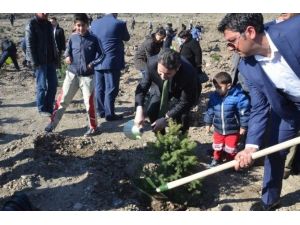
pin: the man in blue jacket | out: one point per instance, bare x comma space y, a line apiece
111, 33
271, 68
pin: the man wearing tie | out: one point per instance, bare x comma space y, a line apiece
175, 77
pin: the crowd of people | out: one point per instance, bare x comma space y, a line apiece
262, 92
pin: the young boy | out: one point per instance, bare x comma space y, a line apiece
228, 111
82, 54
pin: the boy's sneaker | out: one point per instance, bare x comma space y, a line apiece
45, 114
49, 128
214, 163
91, 132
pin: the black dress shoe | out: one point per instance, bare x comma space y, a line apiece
259, 206
101, 115
114, 117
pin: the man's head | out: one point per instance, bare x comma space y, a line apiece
53, 21
81, 22
168, 63
286, 16
160, 35
242, 31
222, 82
42, 16
169, 24
185, 35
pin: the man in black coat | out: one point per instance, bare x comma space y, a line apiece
60, 40
41, 51
170, 35
151, 46
167, 66
191, 50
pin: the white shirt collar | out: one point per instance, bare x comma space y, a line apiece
273, 48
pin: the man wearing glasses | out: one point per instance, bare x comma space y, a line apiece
271, 67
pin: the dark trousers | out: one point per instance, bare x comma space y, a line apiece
13, 56
274, 164
106, 90
46, 86
153, 111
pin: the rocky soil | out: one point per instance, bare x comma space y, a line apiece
65, 171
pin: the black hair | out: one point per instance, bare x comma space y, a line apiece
169, 58
222, 78
184, 34
161, 31
238, 22
53, 18
82, 17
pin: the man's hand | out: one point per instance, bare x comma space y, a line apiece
68, 60
244, 158
159, 124
242, 131
90, 67
207, 128
139, 117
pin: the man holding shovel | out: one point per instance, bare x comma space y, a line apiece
271, 68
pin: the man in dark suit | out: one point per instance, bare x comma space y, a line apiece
271, 68
167, 66
111, 33
59, 36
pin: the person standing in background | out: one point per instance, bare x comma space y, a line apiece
132, 23
60, 40
12, 19
42, 53
111, 33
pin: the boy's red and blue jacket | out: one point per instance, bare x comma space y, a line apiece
229, 113
83, 50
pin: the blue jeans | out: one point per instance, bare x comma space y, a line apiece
46, 86
274, 163
106, 90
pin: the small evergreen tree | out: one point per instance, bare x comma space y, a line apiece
177, 160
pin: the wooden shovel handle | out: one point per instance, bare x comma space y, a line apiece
205, 173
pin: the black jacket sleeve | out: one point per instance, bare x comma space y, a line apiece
198, 54
188, 97
142, 88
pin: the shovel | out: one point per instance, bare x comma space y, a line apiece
205, 173
147, 187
